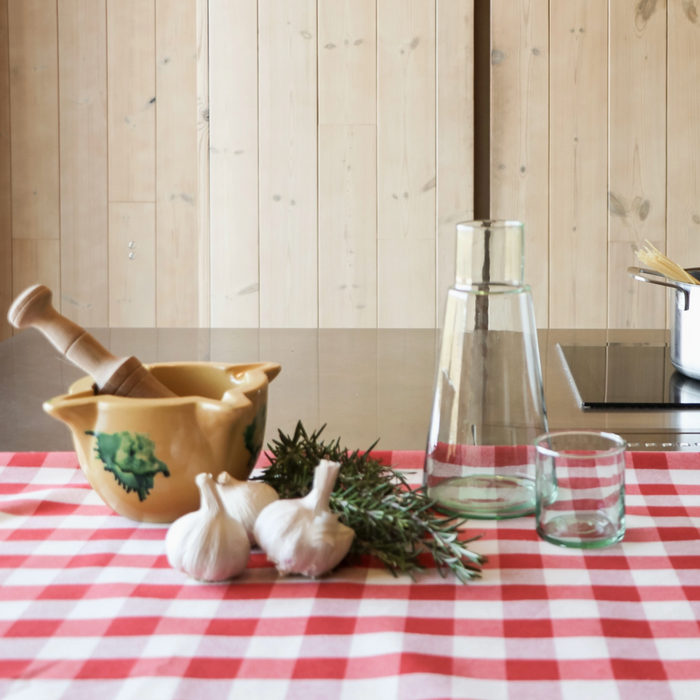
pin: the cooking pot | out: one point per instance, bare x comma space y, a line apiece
685, 319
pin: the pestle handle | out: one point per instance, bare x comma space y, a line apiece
113, 375
34, 308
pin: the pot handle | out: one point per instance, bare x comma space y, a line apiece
640, 274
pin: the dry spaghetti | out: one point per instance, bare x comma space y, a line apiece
654, 259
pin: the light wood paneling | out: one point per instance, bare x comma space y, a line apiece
82, 55
203, 225
631, 307
233, 42
34, 115
455, 134
347, 61
402, 269
132, 260
288, 162
177, 186
136, 80
5, 179
132, 100
406, 162
578, 161
34, 262
347, 163
637, 157
347, 227
683, 222
520, 132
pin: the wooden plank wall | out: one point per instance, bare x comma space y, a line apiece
310, 172
104, 154
259, 163
333, 195
612, 105
683, 83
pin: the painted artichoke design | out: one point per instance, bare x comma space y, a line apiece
131, 458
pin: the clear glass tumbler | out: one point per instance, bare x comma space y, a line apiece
581, 488
488, 404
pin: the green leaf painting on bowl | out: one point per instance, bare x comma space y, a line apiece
131, 459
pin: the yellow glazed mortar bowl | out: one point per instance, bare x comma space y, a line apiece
142, 455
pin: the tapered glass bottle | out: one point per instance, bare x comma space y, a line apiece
488, 404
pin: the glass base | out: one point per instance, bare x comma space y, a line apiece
581, 530
486, 497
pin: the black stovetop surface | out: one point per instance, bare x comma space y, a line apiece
630, 377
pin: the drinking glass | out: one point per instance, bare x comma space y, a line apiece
488, 403
581, 488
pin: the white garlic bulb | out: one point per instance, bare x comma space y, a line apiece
244, 500
302, 535
208, 544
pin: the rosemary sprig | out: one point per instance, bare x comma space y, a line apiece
392, 522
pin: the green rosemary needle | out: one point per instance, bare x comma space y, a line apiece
392, 522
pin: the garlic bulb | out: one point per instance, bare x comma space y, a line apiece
244, 500
301, 535
208, 544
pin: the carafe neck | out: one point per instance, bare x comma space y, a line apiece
490, 252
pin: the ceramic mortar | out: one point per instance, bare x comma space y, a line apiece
142, 455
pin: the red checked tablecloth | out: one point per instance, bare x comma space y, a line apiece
89, 607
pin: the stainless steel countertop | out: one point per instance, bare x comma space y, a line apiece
364, 384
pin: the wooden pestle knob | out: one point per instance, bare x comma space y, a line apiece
121, 376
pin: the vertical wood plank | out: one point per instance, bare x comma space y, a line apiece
578, 162
34, 115
455, 134
347, 61
397, 261
203, 228
683, 190
132, 261
637, 157
347, 226
406, 168
82, 54
520, 132
233, 42
5, 179
177, 185
34, 262
288, 163
132, 100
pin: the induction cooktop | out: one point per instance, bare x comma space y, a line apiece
629, 377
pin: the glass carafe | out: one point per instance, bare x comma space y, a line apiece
489, 404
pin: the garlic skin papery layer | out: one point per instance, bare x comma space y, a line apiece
302, 535
208, 544
245, 500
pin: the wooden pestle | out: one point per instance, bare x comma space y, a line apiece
121, 376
